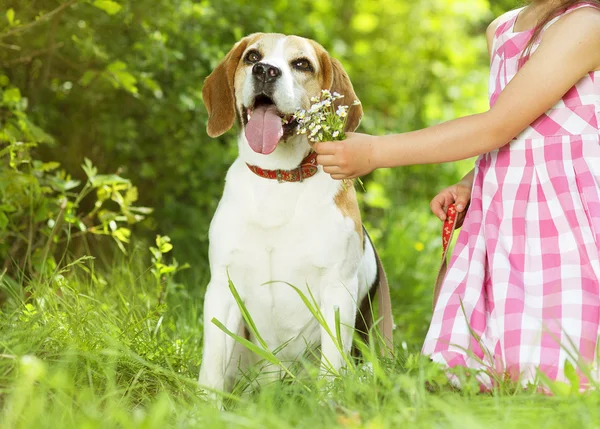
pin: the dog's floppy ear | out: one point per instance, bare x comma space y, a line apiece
336, 79
218, 92
342, 85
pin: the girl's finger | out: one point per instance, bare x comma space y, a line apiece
437, 206
326, 160
339, 176
332, 169
463, 196
325, 148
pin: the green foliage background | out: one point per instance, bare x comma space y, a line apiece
119, 82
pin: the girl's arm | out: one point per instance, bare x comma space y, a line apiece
460, 193
569, 50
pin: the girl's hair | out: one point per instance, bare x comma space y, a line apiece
551, 14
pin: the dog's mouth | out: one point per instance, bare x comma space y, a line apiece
265, 126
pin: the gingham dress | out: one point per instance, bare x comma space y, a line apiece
522, 287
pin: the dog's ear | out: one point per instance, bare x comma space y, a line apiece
336, 79
341, 84
218, 91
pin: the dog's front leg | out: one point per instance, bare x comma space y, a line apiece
219, 364
337, 296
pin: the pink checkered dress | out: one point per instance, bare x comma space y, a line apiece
522, 287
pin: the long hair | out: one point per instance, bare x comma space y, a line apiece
551, 14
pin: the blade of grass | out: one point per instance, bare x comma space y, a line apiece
265, 354
246, 314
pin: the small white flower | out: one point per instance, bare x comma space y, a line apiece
356, 103
335, 134
342, 111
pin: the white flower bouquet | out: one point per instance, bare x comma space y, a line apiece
322, 121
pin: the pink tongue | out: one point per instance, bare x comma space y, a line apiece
264, 129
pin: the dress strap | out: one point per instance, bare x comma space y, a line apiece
507, 22
568, 11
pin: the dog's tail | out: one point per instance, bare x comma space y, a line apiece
380, 288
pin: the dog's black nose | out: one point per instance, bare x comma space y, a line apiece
266, 72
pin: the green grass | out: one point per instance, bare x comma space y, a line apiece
86, 349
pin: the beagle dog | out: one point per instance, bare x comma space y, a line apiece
281, 220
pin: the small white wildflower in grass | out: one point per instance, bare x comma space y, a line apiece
322, 121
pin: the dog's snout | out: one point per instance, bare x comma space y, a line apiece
265, 72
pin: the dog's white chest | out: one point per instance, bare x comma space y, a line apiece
271, 236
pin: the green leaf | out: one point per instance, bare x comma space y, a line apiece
11, 95
87, 77
167, 269
163, 243
142, 210
572, 376
558, 388
62, 185
7, 208
108, 6
122, 234
49, 166
39, 135
10, 16
116, 66
121, 77
107, 179
89, 169
3, 220
131, 195
166, 247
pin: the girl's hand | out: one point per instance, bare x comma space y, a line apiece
458, 194
349, 158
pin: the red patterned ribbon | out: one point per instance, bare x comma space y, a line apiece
447, 233
449, 227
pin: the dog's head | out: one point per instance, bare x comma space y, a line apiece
266, 77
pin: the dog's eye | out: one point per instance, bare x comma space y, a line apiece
302, 64
253, 57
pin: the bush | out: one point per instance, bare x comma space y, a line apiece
41, 205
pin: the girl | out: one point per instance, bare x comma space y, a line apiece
522, 288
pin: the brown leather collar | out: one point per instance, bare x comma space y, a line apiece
307, 168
